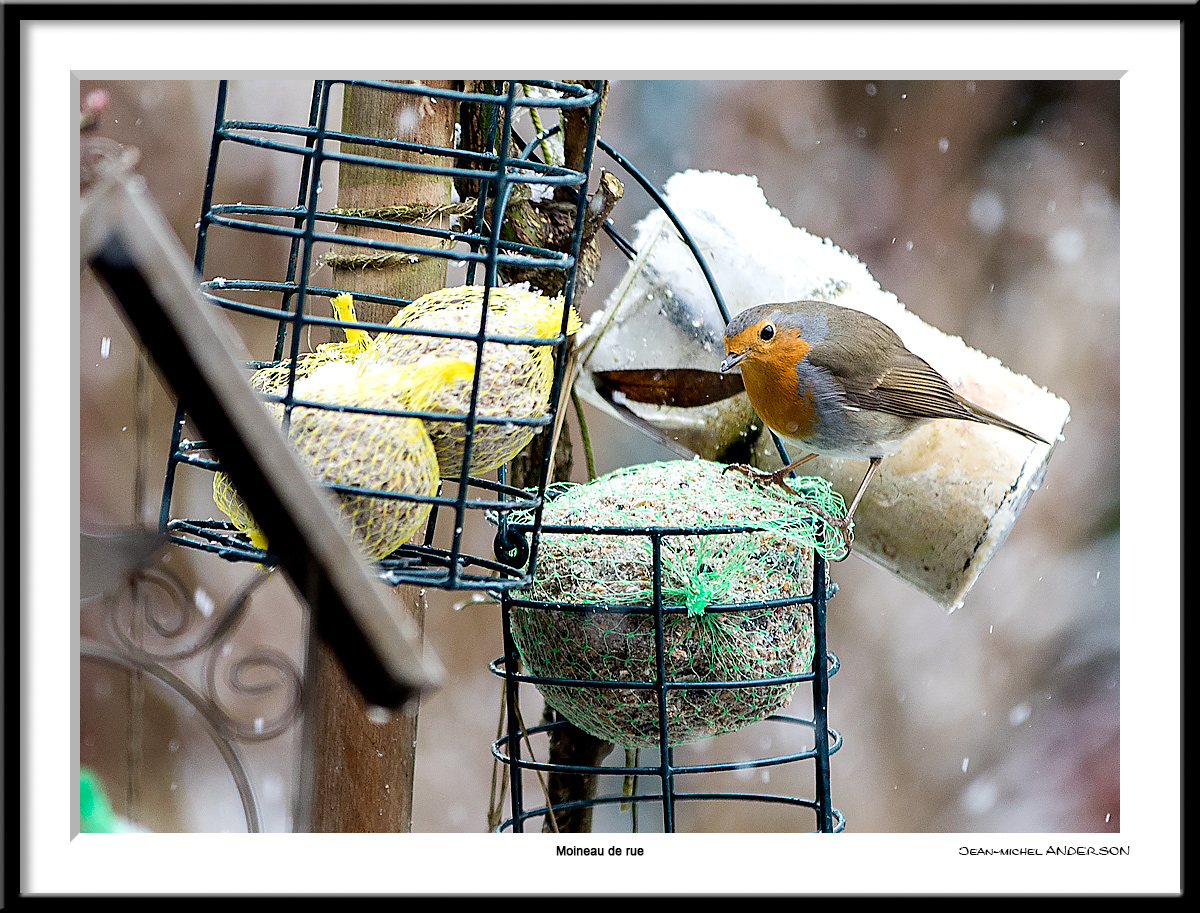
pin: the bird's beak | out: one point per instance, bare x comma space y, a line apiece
733, 360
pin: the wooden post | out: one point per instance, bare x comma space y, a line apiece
363, 768
405, 196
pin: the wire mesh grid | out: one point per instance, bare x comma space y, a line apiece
325, 251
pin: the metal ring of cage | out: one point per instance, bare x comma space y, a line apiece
668, 796
668, 773
827, 741
496, 175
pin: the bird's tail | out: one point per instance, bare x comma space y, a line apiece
991, 418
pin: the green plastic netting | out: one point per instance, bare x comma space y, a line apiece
589, 615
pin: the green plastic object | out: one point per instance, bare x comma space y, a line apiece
95, 811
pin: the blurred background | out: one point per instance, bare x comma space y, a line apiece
989, 208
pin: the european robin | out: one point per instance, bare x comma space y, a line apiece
838, 382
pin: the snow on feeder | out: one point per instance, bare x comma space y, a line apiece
938, 510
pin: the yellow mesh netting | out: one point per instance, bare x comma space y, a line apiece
515, 379
385, 453
410, 373
274, 379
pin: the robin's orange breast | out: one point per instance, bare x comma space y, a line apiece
772, 384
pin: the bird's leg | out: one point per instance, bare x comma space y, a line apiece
875, 461
778, 477
770, 478
842, 524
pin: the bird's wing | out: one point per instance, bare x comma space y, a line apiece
881, 374
912, 387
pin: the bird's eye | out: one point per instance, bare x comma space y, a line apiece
767, 332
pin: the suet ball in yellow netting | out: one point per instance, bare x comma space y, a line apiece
387, 453
415, 373
516, 379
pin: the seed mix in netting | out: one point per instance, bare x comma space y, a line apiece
373, 452
592, 617
391, 454
515, 380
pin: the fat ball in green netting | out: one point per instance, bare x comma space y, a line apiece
515, 379
579, 627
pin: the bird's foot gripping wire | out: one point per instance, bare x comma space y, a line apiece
842, 524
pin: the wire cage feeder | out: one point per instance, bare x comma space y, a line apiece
331, 251
649, 698
443, 205
625, 671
